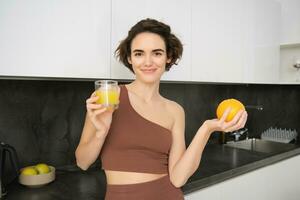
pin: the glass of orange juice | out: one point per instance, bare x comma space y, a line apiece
108, 92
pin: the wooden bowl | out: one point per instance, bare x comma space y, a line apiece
38, 180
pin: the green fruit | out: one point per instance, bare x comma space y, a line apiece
29, 171
42, 168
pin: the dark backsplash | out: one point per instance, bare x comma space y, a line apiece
43, 120
280, 104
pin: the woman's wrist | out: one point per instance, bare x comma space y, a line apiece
101, 134
208, 128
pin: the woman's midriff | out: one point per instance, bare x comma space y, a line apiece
121, 177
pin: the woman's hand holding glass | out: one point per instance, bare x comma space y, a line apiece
236, 123
99, 114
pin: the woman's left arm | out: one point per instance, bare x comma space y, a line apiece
184, 162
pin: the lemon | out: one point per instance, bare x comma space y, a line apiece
42, 168
29, 171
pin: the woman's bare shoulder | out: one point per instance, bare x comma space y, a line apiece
176, 112
173, 107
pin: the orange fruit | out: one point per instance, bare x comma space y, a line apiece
235, 106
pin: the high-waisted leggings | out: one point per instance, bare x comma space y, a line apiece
159, 189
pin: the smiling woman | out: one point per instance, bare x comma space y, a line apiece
142, 143
170, 46
148, 58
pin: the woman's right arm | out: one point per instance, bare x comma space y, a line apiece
96, 126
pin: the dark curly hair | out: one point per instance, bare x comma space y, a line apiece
173, 44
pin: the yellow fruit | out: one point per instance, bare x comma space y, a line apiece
42, 168
235, 106
29, 171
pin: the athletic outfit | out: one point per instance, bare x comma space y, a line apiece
135, 144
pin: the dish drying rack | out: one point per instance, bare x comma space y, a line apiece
279, 135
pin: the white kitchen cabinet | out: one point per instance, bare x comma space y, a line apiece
277, 181
55, 38
290, 22
263, 35
218, 40
175, 13
235, 41
224, 41
208, 193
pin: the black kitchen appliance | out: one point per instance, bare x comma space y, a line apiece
7, 152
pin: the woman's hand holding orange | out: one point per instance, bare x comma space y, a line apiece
236, 123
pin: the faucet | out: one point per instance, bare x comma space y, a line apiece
256, 107
238, 133
223, 137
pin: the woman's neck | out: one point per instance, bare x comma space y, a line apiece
147, 92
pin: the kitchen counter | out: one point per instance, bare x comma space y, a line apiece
218, 163
70, 184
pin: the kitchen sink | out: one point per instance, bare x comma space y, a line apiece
259, 145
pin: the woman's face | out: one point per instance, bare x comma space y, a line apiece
148, 57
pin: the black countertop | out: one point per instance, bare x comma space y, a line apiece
218, 163
221, 162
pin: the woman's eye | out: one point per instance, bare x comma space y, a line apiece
137, 54
158, 53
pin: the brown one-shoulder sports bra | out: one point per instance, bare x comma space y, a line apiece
133, 143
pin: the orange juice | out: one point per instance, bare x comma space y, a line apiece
109, 98
108, 92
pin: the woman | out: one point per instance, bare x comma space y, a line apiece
142, 144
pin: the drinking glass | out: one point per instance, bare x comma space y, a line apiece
108, 92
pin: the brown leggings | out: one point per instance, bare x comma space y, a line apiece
159, 189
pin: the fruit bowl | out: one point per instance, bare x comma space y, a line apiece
37, 180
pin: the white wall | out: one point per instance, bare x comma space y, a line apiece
290, 40
287, 59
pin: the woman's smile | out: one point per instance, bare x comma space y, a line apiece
149, 70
